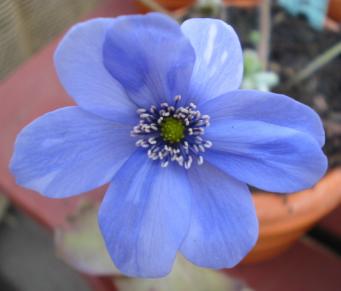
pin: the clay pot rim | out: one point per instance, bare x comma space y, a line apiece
334, 10
302, 207
284, 218
177, 11
243, 3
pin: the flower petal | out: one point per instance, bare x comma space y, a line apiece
219, 59
268, 107
79, 64
69, 151
145, 216
150, 56
224, 225
270, 157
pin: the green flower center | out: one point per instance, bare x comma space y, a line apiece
172, 130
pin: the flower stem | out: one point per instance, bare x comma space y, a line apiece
316, 64
265, 32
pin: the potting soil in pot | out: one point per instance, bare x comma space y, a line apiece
294, 45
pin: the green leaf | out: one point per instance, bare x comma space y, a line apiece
252, 63
254, 37
254, 76
266, 80
81, 244
184, 277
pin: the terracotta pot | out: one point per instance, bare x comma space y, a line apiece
243, 3
334, 10
170, 5
284, 219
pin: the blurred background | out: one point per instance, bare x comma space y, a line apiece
290, 46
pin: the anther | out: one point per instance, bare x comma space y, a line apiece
172, 133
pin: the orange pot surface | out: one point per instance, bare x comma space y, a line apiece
243, 3
175, 4
334, 10
170, 5
284, 219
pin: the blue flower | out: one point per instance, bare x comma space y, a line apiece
159, 116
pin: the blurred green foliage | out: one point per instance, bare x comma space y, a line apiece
254, 75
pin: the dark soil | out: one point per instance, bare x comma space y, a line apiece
294, 44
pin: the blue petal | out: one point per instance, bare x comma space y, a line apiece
80, 68
219, 59
69, 151
150, 57
270, 157
224, 225
145, 216
268, 107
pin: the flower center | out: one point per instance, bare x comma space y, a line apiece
172, 130
172, 133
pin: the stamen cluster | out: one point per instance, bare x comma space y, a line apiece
172, 133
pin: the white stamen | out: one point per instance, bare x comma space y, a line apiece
183, 151
200, 160
177, 98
